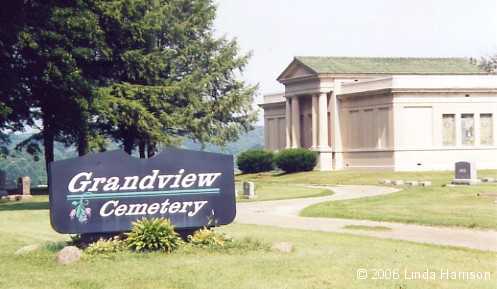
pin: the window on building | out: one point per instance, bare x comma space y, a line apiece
486, 129
449, 129
468, 129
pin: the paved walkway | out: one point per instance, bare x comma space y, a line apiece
284, 214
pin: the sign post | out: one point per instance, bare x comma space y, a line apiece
106, 192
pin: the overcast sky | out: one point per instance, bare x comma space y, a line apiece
277, 30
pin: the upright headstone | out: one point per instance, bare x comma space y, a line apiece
465, 173
3, 184
249, 189
24, 185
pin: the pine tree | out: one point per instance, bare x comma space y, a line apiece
144, 73
171, 77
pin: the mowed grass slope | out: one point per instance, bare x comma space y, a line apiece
439, 205
319, 260
463, 206
266, 191
346, 177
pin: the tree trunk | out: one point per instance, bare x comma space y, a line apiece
151, 149
48, 143
141, 146
83, 145
128, 145
83, 133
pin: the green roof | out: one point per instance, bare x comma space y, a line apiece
387, 65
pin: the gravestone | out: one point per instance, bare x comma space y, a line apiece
24, 185
249, 190
465, 173
3, 184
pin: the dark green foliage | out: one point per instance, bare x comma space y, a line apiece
171, 78
255, 161
142, 73
296, 160
156, 234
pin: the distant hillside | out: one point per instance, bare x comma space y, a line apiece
252, 139
22, 164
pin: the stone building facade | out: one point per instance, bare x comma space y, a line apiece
385, 113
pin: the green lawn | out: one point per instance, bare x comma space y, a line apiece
444, 206
467, 206
320, 260
346, 177
367, 228
266, 191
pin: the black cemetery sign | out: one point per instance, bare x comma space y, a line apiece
106, 192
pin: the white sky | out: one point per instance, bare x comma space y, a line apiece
277, 30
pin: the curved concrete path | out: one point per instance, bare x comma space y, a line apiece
284, 214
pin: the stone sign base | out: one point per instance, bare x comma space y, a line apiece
465, 182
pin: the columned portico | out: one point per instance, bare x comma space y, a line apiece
319, 126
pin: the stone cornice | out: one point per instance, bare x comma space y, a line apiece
390, 91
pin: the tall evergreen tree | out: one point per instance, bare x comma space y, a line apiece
172, 77
14, 106
56, 48
142, 72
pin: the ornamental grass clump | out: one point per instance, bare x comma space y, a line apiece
106, 247
156, 234
208, 238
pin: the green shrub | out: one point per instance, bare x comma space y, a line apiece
208, 238
255, 161
156, 234
296, 160
106, 246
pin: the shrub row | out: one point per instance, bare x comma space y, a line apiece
288, 160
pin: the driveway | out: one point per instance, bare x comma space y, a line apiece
285, 214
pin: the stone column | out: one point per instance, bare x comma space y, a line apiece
325, 158
315, 121
323, 121
336, 133
295, 122
288, 122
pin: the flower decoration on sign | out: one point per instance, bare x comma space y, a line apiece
80, 210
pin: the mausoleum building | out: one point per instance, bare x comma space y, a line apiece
385, 113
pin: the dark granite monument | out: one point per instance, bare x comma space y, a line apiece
465, 173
